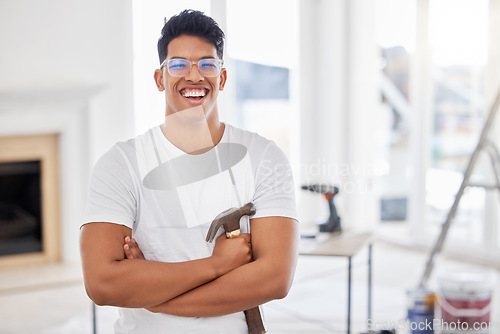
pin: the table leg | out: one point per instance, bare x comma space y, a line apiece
94, 322
370, 282
349, 295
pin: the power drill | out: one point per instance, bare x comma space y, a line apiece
329, 192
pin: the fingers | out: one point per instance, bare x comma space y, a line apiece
131, 249
246, 236
248, 239
232, 253
127, 248
222, 236
248, 242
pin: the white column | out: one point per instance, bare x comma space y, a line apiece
364, 114
338, 107
321, 84
420, 100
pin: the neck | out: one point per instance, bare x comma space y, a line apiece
191, 131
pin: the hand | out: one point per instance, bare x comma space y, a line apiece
232, 253
132, 250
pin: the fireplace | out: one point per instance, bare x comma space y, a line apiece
29, 210
20, 208
50, 127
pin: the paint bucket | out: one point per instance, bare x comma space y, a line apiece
420, 305
464, 302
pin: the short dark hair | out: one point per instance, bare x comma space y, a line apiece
193, 23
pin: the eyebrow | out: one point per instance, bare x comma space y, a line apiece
206, 57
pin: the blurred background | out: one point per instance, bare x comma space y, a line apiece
384, 99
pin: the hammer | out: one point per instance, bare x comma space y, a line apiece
230, 220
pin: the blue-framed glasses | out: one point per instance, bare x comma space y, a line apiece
177, 67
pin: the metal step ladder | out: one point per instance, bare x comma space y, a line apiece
484, 144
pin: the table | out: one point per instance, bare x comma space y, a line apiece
343, 245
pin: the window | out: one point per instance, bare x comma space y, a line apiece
262, 55
397, 47
452, 55
459, 44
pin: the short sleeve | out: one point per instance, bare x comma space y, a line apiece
111, 192
274, 187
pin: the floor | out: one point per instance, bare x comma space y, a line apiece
51, 298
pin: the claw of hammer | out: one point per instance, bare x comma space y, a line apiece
230, 220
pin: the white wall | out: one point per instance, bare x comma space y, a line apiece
56, 44
79, 51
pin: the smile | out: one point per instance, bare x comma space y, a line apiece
194, 92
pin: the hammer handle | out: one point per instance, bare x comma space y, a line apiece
253, 318
254, 321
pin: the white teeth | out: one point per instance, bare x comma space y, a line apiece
194, 93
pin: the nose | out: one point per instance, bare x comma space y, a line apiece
194, 74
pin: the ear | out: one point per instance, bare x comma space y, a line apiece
159, 80
223, 78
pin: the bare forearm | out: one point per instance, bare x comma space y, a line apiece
236, 291
140, 283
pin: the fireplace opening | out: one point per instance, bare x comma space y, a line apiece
20, 208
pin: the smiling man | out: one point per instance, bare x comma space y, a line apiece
152, 198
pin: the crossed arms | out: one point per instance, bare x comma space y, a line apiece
226, 282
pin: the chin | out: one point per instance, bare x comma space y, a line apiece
193, 114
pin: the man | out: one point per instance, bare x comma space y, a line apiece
152, 199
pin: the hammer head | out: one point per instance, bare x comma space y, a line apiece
229, 219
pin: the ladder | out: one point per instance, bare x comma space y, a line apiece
483, 144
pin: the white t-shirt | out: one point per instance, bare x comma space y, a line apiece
169, 198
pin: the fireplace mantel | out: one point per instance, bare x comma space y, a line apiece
29, 111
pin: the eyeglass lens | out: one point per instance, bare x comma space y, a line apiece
182, 67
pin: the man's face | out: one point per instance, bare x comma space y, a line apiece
193, 90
